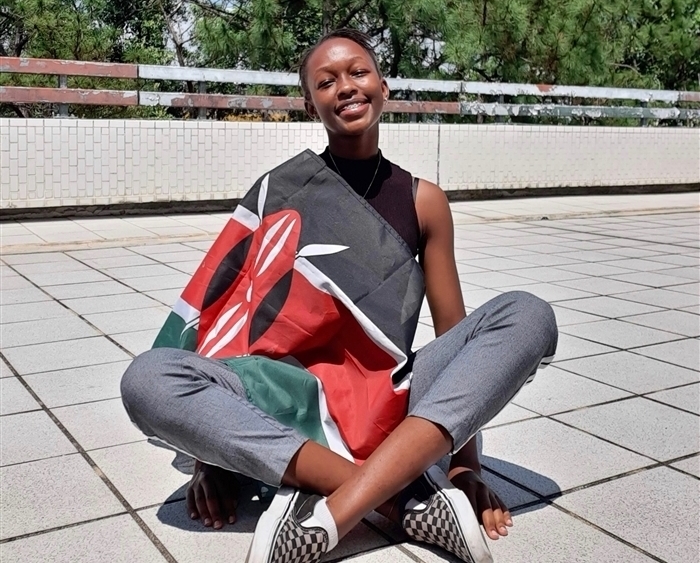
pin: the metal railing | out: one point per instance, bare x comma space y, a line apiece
63, 96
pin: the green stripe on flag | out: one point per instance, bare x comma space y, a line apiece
286, 392
174, 335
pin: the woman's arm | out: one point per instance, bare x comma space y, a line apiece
447, 309
438, 258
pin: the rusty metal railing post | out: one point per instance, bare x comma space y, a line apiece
62, 83
500, 118
202, 89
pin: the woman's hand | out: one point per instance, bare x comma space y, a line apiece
212, 495
490, 510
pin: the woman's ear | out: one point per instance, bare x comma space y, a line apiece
310, 110
385, 89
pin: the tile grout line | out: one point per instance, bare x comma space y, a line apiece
111, 243
607, 533
679, 338
549, 501
621, 293
577, 262
125, 282
72, 453
617, 318
634, 395
609, 236
656, 463
68, 368
107, 482
592, 294
667, 404
610, 441
81, 317
392, 542
636, 352
59, 528
558, 494
81, 403
408, 553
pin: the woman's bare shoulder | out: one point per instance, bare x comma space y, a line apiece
432, 206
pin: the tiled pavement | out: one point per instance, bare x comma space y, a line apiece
599, 456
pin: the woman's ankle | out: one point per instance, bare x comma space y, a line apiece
316, 468
391, 510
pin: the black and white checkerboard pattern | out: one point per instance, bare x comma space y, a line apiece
296, 544
437, 525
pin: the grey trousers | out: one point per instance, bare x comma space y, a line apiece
460, 381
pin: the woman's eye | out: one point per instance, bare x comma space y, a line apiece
325, 84
359, 73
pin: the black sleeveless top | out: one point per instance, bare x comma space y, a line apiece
391, 194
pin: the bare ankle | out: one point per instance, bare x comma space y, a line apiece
317, 469
391, 510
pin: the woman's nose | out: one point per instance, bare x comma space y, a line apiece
346, 86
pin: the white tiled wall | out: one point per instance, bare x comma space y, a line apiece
60, 162
506, 157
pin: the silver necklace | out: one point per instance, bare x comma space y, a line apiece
373, 177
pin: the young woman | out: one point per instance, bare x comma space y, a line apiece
390, 415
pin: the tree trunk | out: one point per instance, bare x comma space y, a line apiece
21, 110
397, 48
326, 16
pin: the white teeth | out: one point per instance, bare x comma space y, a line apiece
352, 106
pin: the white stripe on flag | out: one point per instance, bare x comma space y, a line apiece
330, 428
271, 232
220, 323
262, 196
186, 311
323, 283
279, 245
228, 337
246, 218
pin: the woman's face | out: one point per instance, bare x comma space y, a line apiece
346, 91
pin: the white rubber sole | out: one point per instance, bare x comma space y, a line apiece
269, 525
468, 522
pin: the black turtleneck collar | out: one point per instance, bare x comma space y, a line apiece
358, 173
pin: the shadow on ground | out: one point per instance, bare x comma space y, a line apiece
174, 513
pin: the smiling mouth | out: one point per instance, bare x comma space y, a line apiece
352, 107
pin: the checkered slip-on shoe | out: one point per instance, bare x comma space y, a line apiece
291, 531
440, 514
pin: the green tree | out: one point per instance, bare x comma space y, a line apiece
636, 43
55, 29
590, 42
86, 30
662, 47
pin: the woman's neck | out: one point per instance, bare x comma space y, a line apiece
359, 147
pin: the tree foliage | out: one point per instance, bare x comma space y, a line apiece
632, 43
593, 42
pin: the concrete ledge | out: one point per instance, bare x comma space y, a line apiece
224, 205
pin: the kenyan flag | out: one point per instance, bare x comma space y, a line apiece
312, 299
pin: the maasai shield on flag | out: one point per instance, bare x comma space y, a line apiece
312, 299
